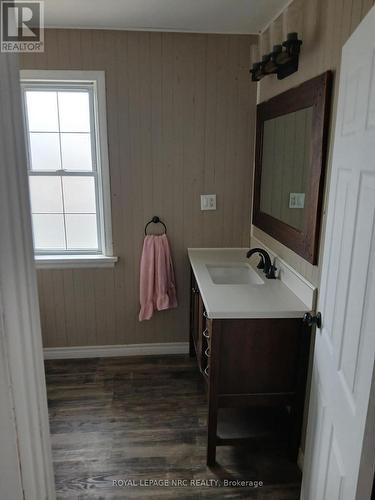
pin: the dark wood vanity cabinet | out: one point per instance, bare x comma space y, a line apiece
248, 363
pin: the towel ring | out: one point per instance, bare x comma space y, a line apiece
155, 220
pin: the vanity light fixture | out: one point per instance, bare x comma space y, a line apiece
282, 61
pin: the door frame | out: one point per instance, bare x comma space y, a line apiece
27, 460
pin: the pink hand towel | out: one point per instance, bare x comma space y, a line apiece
164, 276
147, 275
157, 282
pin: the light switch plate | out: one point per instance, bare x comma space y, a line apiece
296, 200
208, 201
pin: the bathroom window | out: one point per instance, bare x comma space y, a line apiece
66, 141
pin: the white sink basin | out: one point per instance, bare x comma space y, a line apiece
233, 274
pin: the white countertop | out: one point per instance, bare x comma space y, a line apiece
273, 299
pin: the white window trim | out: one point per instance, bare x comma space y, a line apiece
73, 261
97, 78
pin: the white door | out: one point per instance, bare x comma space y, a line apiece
345, 345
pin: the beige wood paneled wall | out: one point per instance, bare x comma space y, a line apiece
181, 116
324, 26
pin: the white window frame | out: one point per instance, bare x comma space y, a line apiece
97, 80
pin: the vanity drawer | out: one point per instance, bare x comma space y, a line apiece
206, 345
208, 323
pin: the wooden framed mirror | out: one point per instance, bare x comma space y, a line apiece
290, 157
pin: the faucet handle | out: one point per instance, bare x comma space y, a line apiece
271, 275
261, 263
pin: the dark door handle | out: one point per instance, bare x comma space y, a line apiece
311, 320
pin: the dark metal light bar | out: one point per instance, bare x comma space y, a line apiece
282, 61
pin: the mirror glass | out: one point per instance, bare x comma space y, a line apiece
286, 160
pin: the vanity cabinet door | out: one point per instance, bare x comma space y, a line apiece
261, 356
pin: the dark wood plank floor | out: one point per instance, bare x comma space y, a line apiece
143, 419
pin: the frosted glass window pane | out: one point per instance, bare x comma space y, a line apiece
42, 111
45, 194
76, 151
45, 151
81, 232
79, 195
74, 110
48, 231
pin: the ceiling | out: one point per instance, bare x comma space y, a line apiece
202, 16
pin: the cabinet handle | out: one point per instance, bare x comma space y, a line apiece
207, 352
194, 290
207, 371
206, 334
205, 314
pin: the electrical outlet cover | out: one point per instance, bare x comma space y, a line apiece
208, 201
296, 200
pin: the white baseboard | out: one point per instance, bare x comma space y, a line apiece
107, 351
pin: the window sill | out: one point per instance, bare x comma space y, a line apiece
73, 261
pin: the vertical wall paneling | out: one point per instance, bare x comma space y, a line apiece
181, 118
